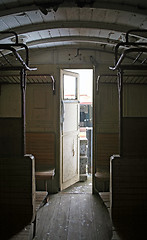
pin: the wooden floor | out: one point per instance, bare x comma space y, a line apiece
74, 216
81, 187
105, 196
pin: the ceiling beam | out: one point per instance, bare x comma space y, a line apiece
85, 39
72, 24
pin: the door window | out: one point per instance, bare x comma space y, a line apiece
70, 86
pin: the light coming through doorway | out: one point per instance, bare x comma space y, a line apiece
86, 131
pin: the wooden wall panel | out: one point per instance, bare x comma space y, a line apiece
11, 137
41, 108
17, 193
128, 187
10, 100
135, 99
107, 144
106, 105
134, 136
42, 146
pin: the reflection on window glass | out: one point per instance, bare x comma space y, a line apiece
70, 87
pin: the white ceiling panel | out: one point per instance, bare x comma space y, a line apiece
11, 21
99, 15
73, 14
33, 35
86, 13
84, 32
111, 16
74, 31
60, 15
35, 16
54, 32
23, 19
49, 17
101, 22
140, 21
3, 25
64, 32
44, 34
93, 32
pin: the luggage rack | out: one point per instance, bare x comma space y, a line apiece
137, 53
20, 64
15, 61
127, 50
30, 79
127, 79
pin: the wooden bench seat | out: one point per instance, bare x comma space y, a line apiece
103, 177
45, 175
42, 146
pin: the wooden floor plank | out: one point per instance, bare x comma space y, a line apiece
48, 214
41, 198
74, 217
60, 221
87, 220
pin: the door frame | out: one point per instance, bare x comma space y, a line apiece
93, 68
69, 132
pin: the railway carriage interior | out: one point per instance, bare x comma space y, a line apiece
41, 45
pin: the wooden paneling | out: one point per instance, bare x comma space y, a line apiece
135, 99
128, 187
40, 108
10, 100
17, 193
74, 216
106, 145
107, 114
11, 136
42, 146
134, 136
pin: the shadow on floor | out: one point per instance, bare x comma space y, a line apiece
11, 224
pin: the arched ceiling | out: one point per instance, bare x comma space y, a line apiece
58, 23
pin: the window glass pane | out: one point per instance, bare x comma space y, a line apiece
70, 87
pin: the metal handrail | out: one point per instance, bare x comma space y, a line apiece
133, 31
16, 44
11, 32
118, 63
12, 49
127, 44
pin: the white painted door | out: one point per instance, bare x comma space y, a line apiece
70, 111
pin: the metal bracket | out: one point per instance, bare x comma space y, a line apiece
97, 83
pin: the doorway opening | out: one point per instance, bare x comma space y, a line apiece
85, 125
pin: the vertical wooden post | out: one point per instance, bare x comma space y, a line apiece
120, 89
23, 117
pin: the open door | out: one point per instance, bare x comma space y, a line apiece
70, 111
